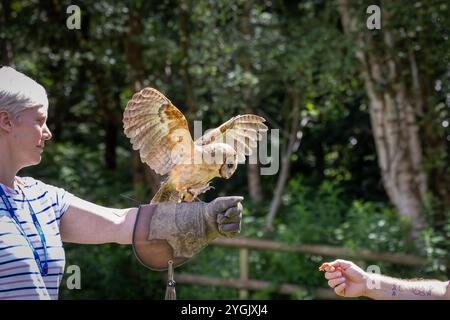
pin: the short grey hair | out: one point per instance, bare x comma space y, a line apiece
19, 92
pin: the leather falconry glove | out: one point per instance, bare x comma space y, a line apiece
177, 231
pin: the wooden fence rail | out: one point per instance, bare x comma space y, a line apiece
249, 284
244, 284
324, 250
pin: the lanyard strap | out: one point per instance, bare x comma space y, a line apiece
43, 266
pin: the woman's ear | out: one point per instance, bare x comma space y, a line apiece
5, 121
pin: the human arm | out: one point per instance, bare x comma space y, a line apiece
88, 223
349, 280
402, 289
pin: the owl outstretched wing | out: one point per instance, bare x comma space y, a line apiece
241, 133
157, 129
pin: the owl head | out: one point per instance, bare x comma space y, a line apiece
224, 156
229, 163
228, 168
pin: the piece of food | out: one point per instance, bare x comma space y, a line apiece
328, 267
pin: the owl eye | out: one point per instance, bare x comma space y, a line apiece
230, 165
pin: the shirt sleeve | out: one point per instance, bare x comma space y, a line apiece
60, 198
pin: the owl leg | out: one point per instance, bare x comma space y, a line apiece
205, 188
195, 192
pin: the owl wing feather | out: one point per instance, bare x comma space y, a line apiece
166, 193
156, 128
241, 133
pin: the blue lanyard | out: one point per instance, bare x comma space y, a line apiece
43, 266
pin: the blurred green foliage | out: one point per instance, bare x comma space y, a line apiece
239, 54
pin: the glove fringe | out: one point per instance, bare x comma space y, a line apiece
171, 284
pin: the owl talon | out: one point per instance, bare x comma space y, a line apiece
187, 197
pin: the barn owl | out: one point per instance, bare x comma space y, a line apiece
160, 132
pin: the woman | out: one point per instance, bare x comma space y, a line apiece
35, 218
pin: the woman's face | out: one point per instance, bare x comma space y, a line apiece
30, 132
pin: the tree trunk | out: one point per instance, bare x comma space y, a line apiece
142, 174
6, 52
109, 117
184, 48
394, 123
253, 170
293, 143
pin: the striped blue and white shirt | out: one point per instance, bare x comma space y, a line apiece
20, 277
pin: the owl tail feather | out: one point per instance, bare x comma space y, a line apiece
166, 193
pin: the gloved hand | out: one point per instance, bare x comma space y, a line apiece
223, 216
177, 231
